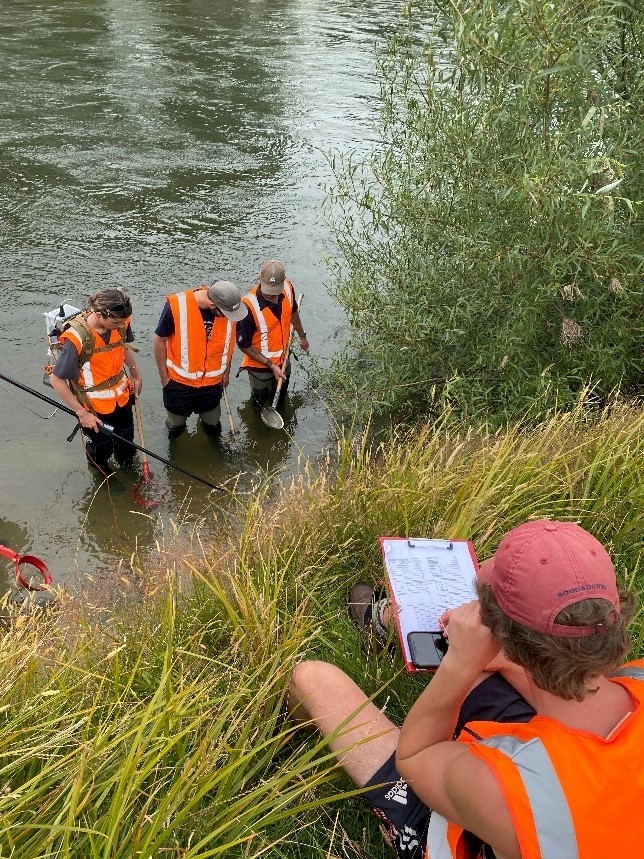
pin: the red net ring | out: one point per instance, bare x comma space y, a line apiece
150, 493
42, 570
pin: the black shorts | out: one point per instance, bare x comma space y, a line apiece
404, 816
183, 400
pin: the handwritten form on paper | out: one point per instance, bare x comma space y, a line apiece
427, 577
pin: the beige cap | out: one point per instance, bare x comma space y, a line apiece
272, 276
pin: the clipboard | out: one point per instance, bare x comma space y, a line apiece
426, 577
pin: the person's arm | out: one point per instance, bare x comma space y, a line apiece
160, 356
67, 370
296, 322
135, 373
258, 356
433, 717
443, 773
86, 419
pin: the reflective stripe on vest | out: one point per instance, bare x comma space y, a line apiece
182, 325
633, 673
552, 818
185, 344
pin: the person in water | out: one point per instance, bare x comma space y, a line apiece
89, 376
193, 347
263, 336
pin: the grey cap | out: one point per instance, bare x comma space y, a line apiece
272, 276
227, 298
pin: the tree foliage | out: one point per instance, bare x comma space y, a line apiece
491, 246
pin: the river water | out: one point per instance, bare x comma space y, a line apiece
157, 145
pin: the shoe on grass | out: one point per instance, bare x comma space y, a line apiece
360, 605
364, 605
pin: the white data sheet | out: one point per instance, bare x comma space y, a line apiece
427, 577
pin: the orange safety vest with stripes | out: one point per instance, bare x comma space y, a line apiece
102, 384
570, 793
192, 358
271, 334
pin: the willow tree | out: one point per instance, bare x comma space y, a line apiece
491, 246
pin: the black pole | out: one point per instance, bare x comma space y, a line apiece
107, 430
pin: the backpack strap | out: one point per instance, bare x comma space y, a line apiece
89, 347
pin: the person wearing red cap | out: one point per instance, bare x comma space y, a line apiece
527, 742
263, 336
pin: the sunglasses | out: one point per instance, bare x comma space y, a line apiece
118, 311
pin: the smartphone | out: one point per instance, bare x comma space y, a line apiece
426, 648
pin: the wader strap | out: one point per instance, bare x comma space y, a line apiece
109, 346
106, 384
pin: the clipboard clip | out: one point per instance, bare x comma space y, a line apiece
430, 544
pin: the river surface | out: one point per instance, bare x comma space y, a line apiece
157, 146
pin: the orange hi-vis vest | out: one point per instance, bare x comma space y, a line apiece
570, 793
193, 359
102, 384
271, 334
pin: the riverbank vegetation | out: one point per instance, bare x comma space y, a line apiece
156, 727
491, 247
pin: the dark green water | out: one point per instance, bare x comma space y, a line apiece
157, 146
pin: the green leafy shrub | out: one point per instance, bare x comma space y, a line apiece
491, 247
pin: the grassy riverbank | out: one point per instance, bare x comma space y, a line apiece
156, 728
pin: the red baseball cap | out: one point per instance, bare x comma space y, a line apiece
541, 567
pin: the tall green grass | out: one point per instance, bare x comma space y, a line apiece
158, 729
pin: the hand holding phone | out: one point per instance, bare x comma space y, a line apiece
427, 648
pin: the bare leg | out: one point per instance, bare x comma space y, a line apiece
361, 737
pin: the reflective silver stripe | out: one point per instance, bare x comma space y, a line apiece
224, 354
261, 327
199, 374
88, 378
437, 845
290, 294
183, 373
183, 330
632, 672
552, 818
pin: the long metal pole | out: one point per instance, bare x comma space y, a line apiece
106, 429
